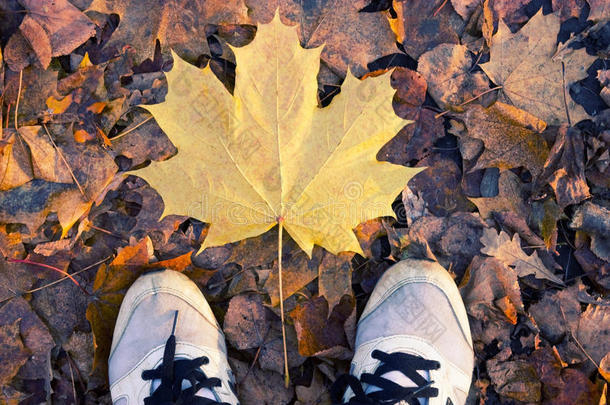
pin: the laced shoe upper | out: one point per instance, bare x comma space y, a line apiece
145, 365
416, 316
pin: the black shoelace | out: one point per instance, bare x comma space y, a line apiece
172, 372
390, 392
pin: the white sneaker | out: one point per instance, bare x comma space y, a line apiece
168, 346
413, 344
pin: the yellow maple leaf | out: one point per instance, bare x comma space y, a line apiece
267, 154
533, 79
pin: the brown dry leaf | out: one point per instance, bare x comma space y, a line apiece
335, 277
37, 85
491, 291
568, 8
351, 38
15, 278
35, 337
271, 355
47, 161
594, 331
297, 271
15, 162
315, 393
260, 387
440, 186
600, 10
511, 137
557, 313
465, 7
511, 197
564, 169
562, 386
531, 79
452, 241
29, 154
246, 324
83, 101
111, 282
595, 221
177, 24
416, 141
422, 24
515, 379
447, 69
32, 202
12, 352
509, 252
48, 29
317, 330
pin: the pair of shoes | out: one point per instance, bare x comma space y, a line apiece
413, 344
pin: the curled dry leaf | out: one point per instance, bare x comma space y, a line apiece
565, 167
491, 291
509, 252
511, 137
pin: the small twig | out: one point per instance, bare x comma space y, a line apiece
469, 100
46, 266
565, 101
107, 232
279, 269
18, 97
65, 278
563, 315
65, 162
438, 10
72, 378
122, 134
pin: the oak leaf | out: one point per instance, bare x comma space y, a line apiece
531, 78
267, 154
509, 252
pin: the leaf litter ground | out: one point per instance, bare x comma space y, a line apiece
514, 199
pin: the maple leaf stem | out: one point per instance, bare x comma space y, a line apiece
18, 96
61, 155
470, 100
279, 270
